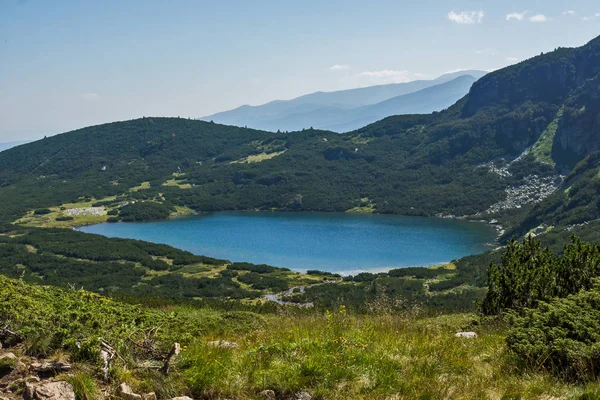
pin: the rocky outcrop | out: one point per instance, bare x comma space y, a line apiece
578, 132
58, 390
533, 190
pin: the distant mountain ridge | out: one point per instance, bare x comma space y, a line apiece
350, 109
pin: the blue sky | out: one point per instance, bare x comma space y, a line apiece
69, 64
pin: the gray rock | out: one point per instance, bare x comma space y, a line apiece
268, 394
303, 396
50, 368
466, 335
58, 390
149, 396
125, 392
223, 344
182, 398
10, 356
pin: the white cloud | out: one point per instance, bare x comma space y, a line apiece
466, 17
569, 12
597, 15
513, 59
385, 76
90, 96
539, 18
453, 71
339, 67
516, 16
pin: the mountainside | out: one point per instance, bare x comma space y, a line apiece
498, 153
336, 110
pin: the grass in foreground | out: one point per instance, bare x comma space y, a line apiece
330, 355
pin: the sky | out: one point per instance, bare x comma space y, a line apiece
67, 64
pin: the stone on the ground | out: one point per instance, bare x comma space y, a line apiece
182, 398
303, 396
50, 368
125, 392
223, 344
466, 335
268, 394
10, 356
149, 396
58, 390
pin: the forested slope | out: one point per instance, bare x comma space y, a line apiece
498, 151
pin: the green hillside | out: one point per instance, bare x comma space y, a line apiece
521, 148
460, 161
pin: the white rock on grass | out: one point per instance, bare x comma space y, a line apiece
466, 335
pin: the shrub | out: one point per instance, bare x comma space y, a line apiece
561, 336
529, 274
146, 211
42, 211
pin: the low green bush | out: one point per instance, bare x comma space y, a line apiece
42, 211
561, 336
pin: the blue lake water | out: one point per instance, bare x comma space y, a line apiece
335, 242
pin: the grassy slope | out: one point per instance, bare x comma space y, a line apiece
330, 355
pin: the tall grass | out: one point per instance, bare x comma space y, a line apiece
338, 356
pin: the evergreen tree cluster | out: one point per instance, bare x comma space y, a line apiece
529, 273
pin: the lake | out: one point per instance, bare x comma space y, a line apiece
335, 242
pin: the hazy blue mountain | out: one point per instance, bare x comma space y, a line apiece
334, 110
433, 98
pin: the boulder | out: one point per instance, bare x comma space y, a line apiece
303, 396
125, 392
47, 369
8, 362
182, 398
149, 396
58, 390
268, 394
10, 356
466, 335
223, 344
